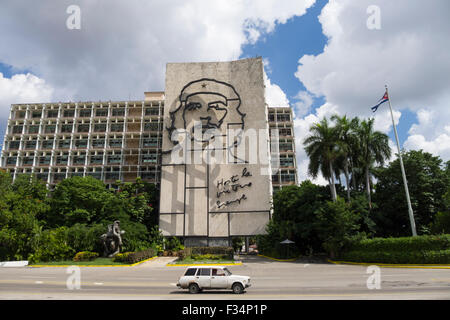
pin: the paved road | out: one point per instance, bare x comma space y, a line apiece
270, 280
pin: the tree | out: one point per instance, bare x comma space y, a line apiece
321, 148
346, 142
337, 225
428, 182
374, 148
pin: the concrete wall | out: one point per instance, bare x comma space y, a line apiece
192, 203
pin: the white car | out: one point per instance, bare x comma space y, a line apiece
198, 278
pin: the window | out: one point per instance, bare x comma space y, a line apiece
69, 113
191, 272
50, 128
17, 129
101, 112
83, 128
52, 114
33, 129
85, 112
151, 111
47, 144
116, 127
114, 158
118, 112
81, 143
97, 159
79, 159
44, 160
205, 272
36, 114
151, 126
100, 127
115, 143
30, 144
98, 143
20, 114
271, 117
64, 144
282, 117
62, 159
218, 272
287, 162
150, 142
14, 145
150, 158
285, 131
11, 160
66, 128
27, 161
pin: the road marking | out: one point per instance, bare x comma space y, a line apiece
173, 284
98, 283
38, 282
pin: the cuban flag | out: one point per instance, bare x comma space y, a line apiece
381, 101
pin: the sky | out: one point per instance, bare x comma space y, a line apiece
320, 57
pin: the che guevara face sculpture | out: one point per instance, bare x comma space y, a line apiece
205, 103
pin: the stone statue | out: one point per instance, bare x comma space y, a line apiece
112, 240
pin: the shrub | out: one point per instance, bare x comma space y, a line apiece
133, 257
409, 250
225, 251
121, 257
209, 256
419, 243
51, 245
85, 256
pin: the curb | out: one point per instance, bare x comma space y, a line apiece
279, 260
90, 266
389, 265
204, 264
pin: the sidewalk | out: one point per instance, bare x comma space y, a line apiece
157, 262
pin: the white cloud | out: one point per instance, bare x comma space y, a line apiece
409, 53
123, 46
22, 88
275, 96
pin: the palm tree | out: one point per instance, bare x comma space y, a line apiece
321, 149
346, 141
374, 148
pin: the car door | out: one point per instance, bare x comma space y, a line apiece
204, 278
219, 280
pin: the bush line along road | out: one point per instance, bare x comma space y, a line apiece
270, 280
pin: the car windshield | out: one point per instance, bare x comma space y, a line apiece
227, 272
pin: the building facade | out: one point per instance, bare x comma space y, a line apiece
110, 141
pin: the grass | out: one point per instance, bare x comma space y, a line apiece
96, 262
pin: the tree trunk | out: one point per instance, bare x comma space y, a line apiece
332, 185
347, 180
368, 187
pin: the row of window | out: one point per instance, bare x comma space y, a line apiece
85, 127
152, 142
85, 112
281, 117
150, 158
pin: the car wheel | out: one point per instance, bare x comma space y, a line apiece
193, 288
237, 288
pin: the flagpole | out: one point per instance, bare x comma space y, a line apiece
411, 215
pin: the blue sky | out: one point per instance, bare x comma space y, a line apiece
333, 64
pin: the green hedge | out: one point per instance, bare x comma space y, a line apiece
433, 249
227, 252
134, 257
413, 257
419, 243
